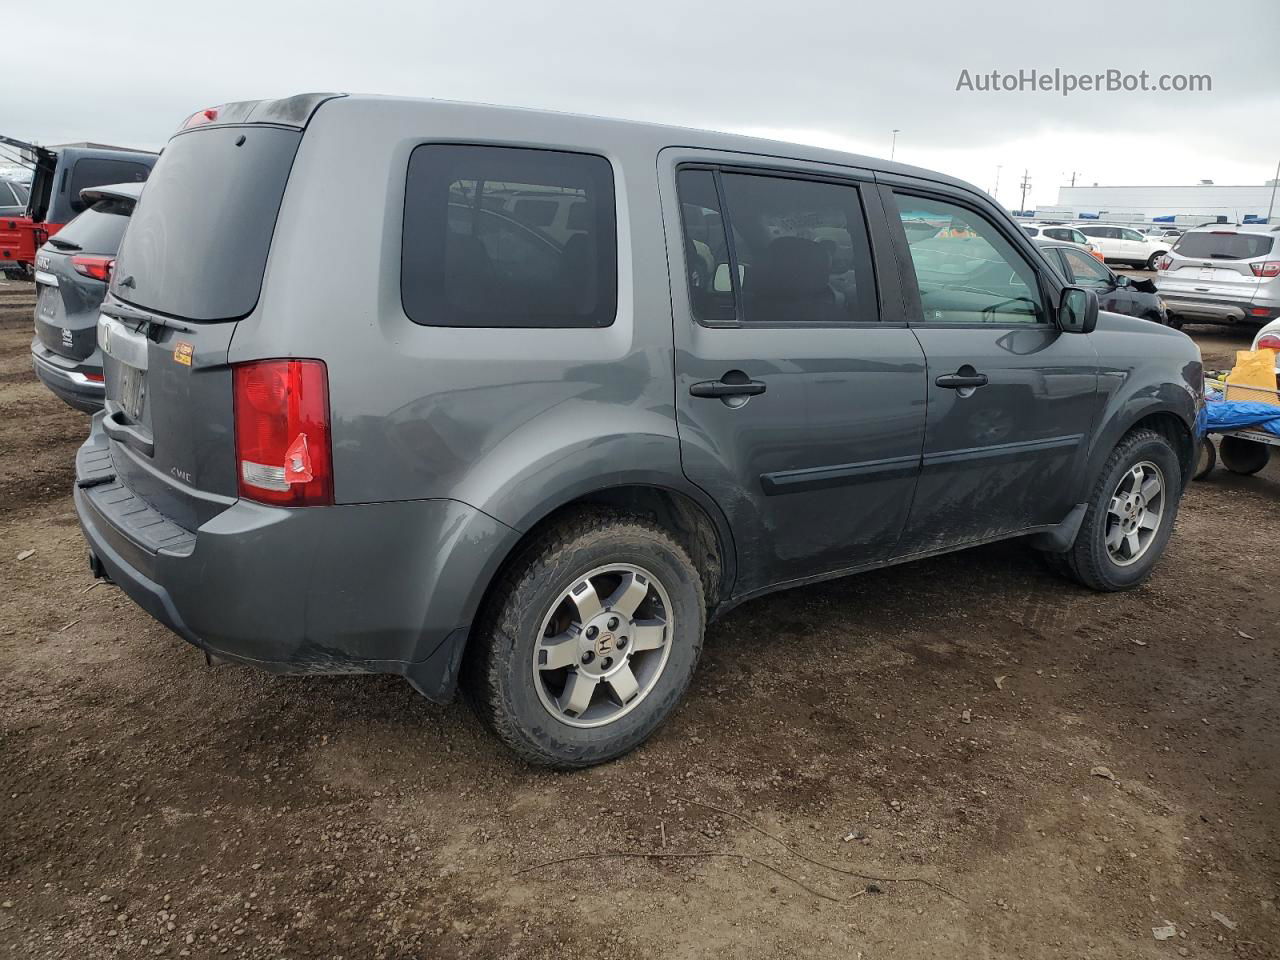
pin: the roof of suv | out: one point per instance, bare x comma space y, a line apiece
672, 136
1234, 228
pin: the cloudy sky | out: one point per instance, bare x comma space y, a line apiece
832, 73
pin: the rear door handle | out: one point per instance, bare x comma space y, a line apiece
726, 388
959, 381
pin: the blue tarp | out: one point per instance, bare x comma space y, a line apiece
1223, 415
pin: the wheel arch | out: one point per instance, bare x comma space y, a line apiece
695, 521
1160, 415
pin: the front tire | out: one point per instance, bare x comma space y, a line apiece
588, 641
1132, 508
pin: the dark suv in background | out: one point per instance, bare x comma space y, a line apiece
539, 444
72, 272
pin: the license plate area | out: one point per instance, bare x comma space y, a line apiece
132, 391
47, 304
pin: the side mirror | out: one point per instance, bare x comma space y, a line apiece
1077, 310
1122, 281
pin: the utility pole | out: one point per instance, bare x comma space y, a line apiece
893, 146
1272, 205
1026, 182
1073, 178
995, 194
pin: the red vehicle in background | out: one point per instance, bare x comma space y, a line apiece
58, 175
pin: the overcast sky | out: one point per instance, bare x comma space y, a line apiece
823, 72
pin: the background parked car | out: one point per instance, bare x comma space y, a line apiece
72, 271
13, 198
1126, 245
1268, 338
59, 176
1117, 293
1063, 233
1222, 273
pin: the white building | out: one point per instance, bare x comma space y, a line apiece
1204, 202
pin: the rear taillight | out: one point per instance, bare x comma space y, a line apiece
1269, 268
95, 378
1164, 263
1270, 341
93, 266
282, 432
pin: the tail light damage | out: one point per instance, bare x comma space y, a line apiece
283, 448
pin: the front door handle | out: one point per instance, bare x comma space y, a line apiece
961, 381
729, 386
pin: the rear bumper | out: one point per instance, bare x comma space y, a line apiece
68, 379
362, 588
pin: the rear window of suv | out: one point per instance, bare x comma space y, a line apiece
98, 229
198, 244
479, 249
1220, 245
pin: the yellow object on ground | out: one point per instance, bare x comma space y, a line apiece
1254, 369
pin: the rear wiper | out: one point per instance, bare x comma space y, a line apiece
152, 322
65, 244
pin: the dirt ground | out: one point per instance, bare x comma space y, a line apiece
949, 715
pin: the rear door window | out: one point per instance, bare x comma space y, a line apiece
98, 229
198, 244
1223, 246
483, 245
794, 250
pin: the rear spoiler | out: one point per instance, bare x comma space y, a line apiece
112, 191
293, 112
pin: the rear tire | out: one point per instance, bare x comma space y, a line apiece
1245, 457
565, 686
1153, 260
1120, 504
1206, 460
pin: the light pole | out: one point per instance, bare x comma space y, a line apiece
893, 146
1272, 205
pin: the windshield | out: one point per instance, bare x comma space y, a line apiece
201, 232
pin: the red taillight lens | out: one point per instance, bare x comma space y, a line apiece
95, 378
1164, 263
200, 118
1269, 268
282, 432
1269, 342
91, 266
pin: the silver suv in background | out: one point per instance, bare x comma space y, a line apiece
1222, 273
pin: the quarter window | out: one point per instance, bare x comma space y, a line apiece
486, 245
966, 270
95, 172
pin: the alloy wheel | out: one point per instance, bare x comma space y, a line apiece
603, 645
1134, 513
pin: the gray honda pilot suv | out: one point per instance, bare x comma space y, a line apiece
582, 385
